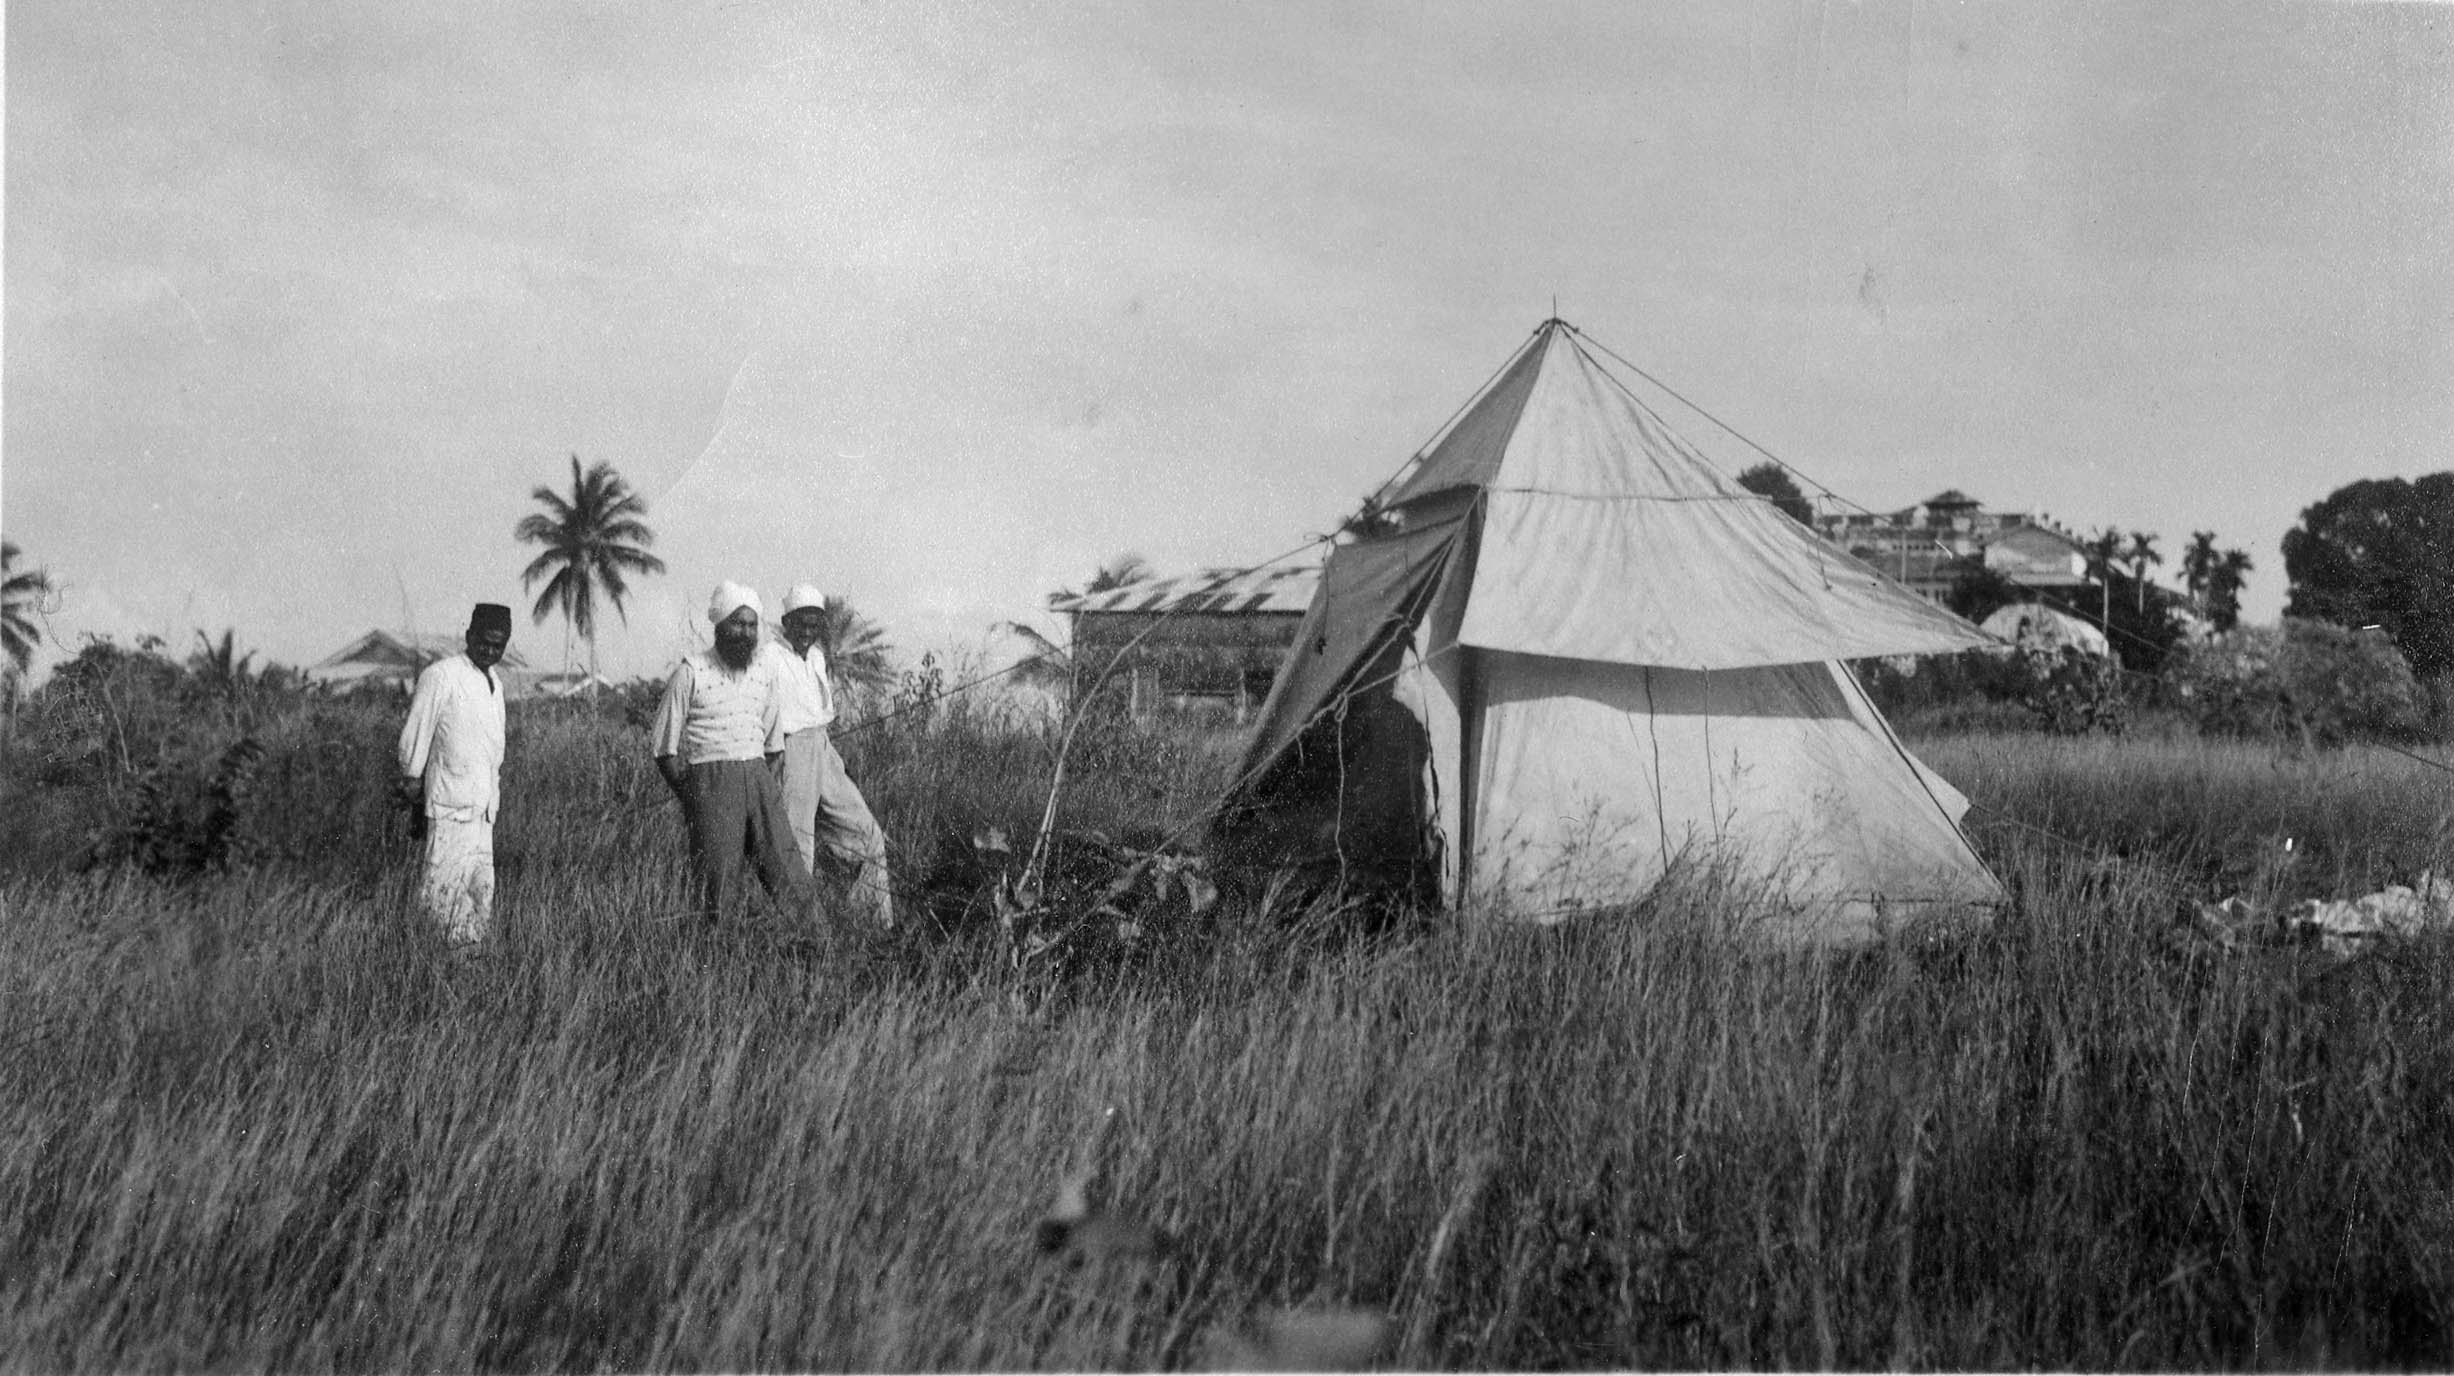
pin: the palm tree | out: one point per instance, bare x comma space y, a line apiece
2142, 555
591, 539
1370, 519
856, 649
2224, 586
1122, 571
220, 669
2198, 564
2103, 549
1048, 665
1052, 666
22, 594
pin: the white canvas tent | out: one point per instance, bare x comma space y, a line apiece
1577, 654
2036, 626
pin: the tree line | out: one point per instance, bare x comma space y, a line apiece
592, 542
2372, 557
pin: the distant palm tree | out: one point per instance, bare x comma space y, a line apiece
1370, 519
22, 592
1048, 665
2142, 555
2102, 550
856, 649
1052, 666
2224, 586
591, 539
2198, 564
220, 669
1122, 571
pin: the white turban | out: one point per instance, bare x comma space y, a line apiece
803, 595
732, 597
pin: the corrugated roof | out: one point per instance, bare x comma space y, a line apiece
396, 653
1277, 589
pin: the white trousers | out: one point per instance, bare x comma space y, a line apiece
832, 825
458, 890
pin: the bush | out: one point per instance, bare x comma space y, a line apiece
2071, 692
2309, 681
2065, 692
126, 756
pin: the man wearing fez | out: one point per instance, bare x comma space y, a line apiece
831, 823
451, 759
714, 738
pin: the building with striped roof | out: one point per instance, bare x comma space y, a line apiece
1207, 641
391, 660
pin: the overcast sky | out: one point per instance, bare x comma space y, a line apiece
941, 305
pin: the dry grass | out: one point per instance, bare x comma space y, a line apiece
261, 1120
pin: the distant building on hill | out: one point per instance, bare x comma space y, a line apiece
1214, 637
393, 659
1928, 546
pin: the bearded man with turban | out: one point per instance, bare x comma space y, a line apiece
451, 759
715, 734
831, 823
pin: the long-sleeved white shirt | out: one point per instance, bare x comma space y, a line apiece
805, 699
711, 712
454, 739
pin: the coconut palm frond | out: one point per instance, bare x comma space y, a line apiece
22, 596
590, 540
857, 652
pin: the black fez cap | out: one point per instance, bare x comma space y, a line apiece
490, 616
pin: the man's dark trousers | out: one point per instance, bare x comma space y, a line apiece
737, 813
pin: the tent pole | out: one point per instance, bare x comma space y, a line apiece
1469, 753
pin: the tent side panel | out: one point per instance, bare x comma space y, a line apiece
1596, 778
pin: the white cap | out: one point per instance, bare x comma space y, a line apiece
804, 595
732, 597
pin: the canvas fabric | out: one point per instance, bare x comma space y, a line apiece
2035, 626
1720, 583
1593, 509
1585, 657
1371, 596
1594, 779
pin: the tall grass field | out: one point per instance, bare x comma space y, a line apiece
256, 1116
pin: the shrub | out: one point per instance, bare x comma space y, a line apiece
2066, 692
2071, 692
127, 756
183, 818
2307, 680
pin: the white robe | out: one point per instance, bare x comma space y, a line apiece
453, 742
